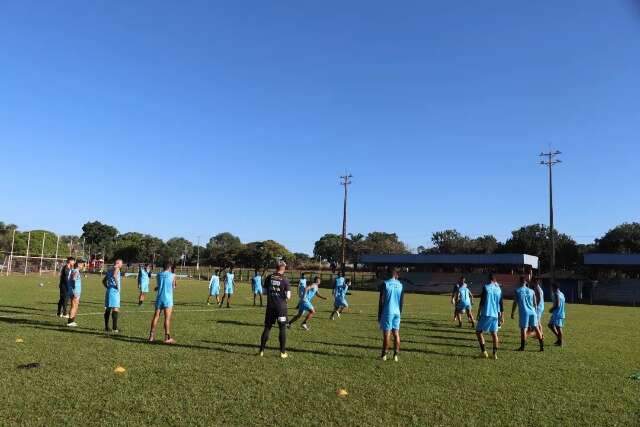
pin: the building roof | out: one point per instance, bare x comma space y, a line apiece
612, 259
485, 259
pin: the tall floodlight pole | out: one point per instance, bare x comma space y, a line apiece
550, 159
345, 181
198, 260
42, 252
55, 265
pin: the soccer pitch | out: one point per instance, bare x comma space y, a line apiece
213, 376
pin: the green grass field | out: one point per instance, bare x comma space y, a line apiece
213, 377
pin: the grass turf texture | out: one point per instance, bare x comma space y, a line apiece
214, 377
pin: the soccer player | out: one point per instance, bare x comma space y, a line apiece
144, 274
74, 290
454, 292
389, 313
490, 316
256, 285
340, 299
540, 307
278, 292
302, 285
62, 285
525, 302
112, 283
164, 303
306, 305
228, 288
463, 300
214, 287
556, 323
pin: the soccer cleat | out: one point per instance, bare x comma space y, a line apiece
116, 331
338, 313
208, 303
484, 355
65, 316
495, 356
72, 325
395, 358
332, 317
520, 349
283, 355
152, 338
305, 326
170, 341
261, 354
384, 357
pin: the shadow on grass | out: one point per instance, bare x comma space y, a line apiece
289, 349
17, 307
238, 323
404, 350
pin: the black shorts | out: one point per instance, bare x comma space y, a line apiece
275, 315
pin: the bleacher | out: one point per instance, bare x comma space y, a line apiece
442, 283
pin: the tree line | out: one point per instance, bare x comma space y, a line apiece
225, 249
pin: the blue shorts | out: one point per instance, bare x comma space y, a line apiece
215, 291
162, 303
390, 322
340, 302
228, 289
257, 290
74, 293
462, 308
112, 298
487, 324
540, 313
556, 321
528, 320
143, 287
305, 306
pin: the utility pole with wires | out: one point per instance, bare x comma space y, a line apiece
550, 159
345, 181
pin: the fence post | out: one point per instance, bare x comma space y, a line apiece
13, 239
42, 251
26, 260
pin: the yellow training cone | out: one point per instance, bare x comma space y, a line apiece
119, 370
19, 340
342, 392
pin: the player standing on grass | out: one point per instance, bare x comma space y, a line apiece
463, 300
228, 287
340, 299
144, 274
164, 304
556, 323
302, 285
306, 305
64, 294
454, 292
75, 290
490, 316
256, 285
540, 305
112, 283
389, 313
214, 287
278, 292
525, 302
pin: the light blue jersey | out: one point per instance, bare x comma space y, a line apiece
256, 284
492, 298
525, 298
164, 296
464, 298
214, 285
339, 281
390, 308
340, 296
228, 283
112, 294
305, 302
302, 285
143, 280
558, 314
74, 287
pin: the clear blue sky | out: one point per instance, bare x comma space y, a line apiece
191, 118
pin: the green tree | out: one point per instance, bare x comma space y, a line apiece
625, 238
263, 254
449, 242
100, 236
378, 242
329, 248
535, 240
176, 248
224, 249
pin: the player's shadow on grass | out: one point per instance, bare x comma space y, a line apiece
238, 323
17, 307
26, 322
404, 350
254, 347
